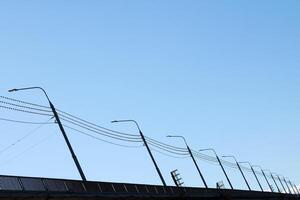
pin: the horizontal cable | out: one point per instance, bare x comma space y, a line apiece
25, 111
94, 137
167, 150
24, 102
62, 113
24, 137
179, 149
168, 155
100, 132
24, 122
97, 129
25, 107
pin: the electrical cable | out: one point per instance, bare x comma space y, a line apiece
166, 145
24, 102
63, 113
94, 137
101, 133
24, 122
25, 111
97, 129
26, 150
23, 137
26, 107
167, 150
168, 155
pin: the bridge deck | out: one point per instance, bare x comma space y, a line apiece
15, 187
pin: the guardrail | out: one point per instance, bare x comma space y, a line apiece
17, 184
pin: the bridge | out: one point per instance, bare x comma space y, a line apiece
17, 187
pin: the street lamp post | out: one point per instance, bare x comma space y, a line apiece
287, 185
296, 189
267, 180
192, 156
274, 180
220, 163
240, 170
292, 186
253, 174
281, 183
60, 127
147, 147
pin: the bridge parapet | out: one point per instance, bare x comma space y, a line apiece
31, 187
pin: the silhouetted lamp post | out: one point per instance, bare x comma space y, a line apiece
60, 127
281, 183
274, 180
292, 186
287, 185
240, 170
220, 163
192, 156
147, 147
265, 178
253, 171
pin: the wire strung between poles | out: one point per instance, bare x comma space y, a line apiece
75, 118
168, 155
24, 107
24, 102
24, 111
101, 133
94, 137
23, 122
24, 137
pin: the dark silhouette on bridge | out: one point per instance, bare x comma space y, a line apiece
13, 187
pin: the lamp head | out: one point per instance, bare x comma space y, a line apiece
13, 90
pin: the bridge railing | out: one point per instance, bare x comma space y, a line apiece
30, 184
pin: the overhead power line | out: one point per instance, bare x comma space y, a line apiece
25, 107
24, 111
24, 122
23, 137
24, 102
101, 132
94, 137
77, 119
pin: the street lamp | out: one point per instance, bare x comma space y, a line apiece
60, 127
264, 176
239, 169
192, 156
147, 147
281, 183
292, 186
286, 185
220, 163
274, 180
253, 174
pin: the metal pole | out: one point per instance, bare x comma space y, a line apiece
275, 182
287, 185
267, 180
61, 129
192, 156
281, 184
148, 149
220, 163
253, 171
296, 189
292, 187
240, 171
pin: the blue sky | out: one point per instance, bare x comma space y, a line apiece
224, 74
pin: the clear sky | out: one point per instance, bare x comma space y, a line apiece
225, 74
